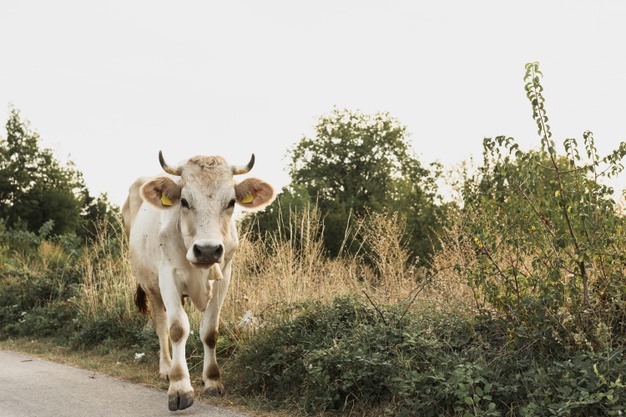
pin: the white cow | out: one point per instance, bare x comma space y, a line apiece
182, 241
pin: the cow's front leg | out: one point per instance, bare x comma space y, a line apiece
180, 393
209, 334
211, 372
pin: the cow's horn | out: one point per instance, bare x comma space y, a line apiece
167, 168
237, 170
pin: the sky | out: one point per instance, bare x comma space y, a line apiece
109, 84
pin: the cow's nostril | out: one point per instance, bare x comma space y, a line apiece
208, 254
197, 251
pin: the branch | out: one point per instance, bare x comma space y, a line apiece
376, 307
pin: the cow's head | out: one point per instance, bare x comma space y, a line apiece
204, 199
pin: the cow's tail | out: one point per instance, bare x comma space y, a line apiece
141, 300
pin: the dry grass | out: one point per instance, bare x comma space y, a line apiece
449, 289
47, 254
107, 280
281, 270
290, 266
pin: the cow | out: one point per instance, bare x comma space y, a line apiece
182, 238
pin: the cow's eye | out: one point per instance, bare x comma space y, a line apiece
231, 203
184, 203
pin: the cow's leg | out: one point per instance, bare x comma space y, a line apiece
209, 332
159, 320
180, 393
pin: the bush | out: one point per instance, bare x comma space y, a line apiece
111, 329
350, 355
548, 234
346, 354
55, 319
52, 287
287, 360
37, 304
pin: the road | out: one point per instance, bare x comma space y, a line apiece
32, 387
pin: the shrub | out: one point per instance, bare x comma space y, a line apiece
354, 356
36, 304
547, 234
114, 329
349, 354
82, 295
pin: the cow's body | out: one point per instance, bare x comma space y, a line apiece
182, 240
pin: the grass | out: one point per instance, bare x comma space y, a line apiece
95, 284
281, 271
329, 333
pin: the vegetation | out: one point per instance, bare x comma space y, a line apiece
519, 310
558, 270
357, 164
37, 191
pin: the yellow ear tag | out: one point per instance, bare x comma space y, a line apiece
248, 199
166, 201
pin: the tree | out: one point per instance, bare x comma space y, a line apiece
36, 188
358, 163
275, 217
99, 215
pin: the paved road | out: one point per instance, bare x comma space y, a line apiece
32, 387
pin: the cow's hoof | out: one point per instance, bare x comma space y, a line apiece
180, 401
213, 392
214, 388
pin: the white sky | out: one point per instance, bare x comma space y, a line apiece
111, 83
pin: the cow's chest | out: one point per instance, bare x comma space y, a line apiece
195, 284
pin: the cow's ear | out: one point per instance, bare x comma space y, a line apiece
254, 194
161, 192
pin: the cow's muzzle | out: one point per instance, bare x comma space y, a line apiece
205, 253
